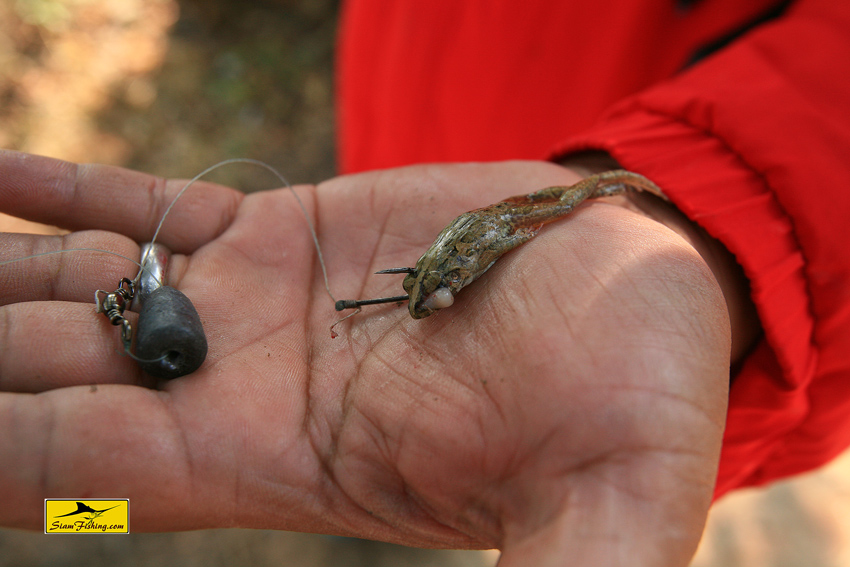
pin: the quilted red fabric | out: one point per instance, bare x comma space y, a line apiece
751, 141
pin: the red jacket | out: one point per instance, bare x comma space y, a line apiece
751, 141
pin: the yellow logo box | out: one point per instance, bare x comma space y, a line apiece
91, 516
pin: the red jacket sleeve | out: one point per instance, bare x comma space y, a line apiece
754, 145
443, 80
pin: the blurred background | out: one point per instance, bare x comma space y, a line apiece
171, 87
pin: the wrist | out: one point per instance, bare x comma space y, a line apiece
746, 327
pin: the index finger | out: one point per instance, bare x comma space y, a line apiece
91, 196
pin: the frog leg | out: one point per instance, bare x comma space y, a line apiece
604, 184
570, 195
521, 235
537, 215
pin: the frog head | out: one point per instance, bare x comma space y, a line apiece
429, 291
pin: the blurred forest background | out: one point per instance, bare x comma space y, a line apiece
171, 87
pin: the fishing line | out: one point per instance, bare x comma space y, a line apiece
282, 180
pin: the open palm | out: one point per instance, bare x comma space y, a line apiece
570, 404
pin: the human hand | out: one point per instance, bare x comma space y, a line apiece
570, 404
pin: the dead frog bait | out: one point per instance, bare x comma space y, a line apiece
475, 240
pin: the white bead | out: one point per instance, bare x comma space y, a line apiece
440, 299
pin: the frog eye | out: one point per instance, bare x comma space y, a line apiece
453, 278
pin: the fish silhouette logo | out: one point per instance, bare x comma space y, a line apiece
63, 515
82, 509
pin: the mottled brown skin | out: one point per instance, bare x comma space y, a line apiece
475, 240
